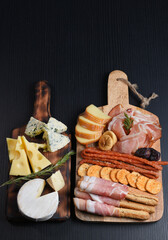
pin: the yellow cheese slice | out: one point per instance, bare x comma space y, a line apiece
56, 181
20, 165
37, 160
39, 145
11, 143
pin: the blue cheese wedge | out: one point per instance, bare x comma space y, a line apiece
34, 127
55, 141
56, 126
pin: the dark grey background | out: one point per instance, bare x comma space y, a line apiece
74, 45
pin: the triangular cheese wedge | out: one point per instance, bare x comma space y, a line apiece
20, 165
11, 143
56, 181
37, 160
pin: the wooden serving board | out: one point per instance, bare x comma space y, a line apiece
118, 94
42, 113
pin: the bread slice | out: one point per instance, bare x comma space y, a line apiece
90, 125
85, 133
94, 114
85, 141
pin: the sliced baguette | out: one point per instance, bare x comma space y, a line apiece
90, 125
94, 114
85, 133
85, 141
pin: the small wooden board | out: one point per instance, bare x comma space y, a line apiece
42, 113
118, 94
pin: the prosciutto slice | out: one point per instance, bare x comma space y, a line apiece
145, 131
96, 207
97, 198
103, 187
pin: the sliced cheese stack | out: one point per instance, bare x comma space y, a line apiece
18, 156
94, 114
90, 125
34, 206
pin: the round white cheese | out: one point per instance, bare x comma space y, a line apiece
34, 206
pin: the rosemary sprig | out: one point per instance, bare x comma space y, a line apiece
43, 172
128, 123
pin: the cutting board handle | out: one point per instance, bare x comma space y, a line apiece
42, 101
117, 90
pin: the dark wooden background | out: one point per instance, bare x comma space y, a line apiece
74, 45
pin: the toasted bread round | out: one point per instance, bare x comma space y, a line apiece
132, 178
121, 176
141, 183
113, 174
105, 173
153, 186
94, 171
82, 170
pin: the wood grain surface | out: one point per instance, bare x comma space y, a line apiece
42, 113
118, 94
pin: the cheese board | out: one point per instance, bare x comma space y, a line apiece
42, 113
117, 94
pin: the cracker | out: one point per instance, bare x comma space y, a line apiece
121, 176
153, 186
105, 173
141, 183
113, 174
132, 178
94, 171
82, 170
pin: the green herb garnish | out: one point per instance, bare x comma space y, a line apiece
47, 171
128, 123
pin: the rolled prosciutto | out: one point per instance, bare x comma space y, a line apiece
96, 207
103, 187
113, 202
97, 198
108, 210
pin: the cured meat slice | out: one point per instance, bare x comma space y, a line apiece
96, 207
94, 197
144, 132
103, 187
116, 110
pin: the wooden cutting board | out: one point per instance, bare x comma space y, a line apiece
118, 94
42, 113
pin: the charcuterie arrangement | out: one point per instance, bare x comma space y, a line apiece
38, 153
118, 166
